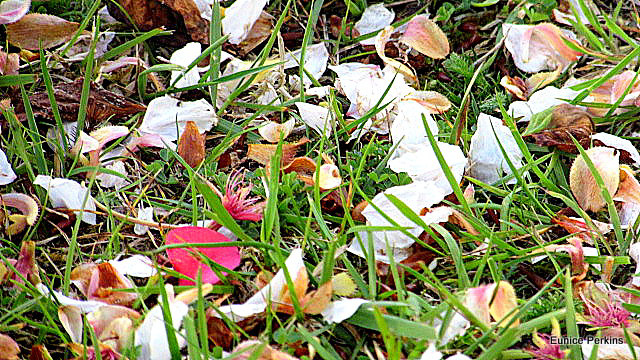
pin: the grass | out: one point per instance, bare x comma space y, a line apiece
511, 222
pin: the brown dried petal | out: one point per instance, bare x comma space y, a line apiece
33, 28
191, 145
260, 31
104, 279
9, 349
262, 153
566, 121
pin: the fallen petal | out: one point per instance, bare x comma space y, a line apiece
240, 17
13, 10
7, 175
165, 112
375, 17
272, 131
426, 37
583, 184
184, 57
65, 193
340, 310
34, 30
9, 349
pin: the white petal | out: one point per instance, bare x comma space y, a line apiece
457, 326
486, 161
340, 310
620, 144
634, 253
240, 17
315, 60
65, 193
7, 175
151, 335
609, 351
184, 57
541, 100
258, 302
375, 17
86, 306
417, 196
407, 127
114, 181
421, 164
136, 265
431, 353
204, 6
145, 214
317, 117
164, 112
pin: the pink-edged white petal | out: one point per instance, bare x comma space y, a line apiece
13, 10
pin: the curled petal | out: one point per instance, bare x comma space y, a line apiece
381, 40
28, 207
329, 177
7, 175
271, 131
9, 349
26, 264
583, 184
13, 10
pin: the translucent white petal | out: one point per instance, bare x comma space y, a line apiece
375, 17
65, 193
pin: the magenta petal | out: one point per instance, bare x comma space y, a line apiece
185, 263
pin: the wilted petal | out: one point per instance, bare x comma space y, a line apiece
26, 264
341, 310
145, 214
187, 264
104, 278
271, 130
114, 181
35, 29
7, 176
329, 177
583, 184
419, 196
375, 17
81, 48
240, 17
68, 194
536, 48
135, 265
151, 335
71, 319
29, 211
13, 10
317, 117
625, 146
184, 57
272, 292
163, 113
108, 133
407, 127
315, 61
421, 164
540, 101
493, 301
486, 160
9, 349
426, 37
433, 101
381, 40
610, 351
85, 306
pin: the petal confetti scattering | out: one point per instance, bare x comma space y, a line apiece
164, 112
188, 264
7, 175
240, 17
486, 160
68, 194
375, 17
540, 47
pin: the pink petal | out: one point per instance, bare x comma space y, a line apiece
13, 10
185, 263
146, 140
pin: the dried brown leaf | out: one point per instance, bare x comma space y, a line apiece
566, 121
102, 104
191, 145
262, 153
32, 29
219, 333
182, 16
